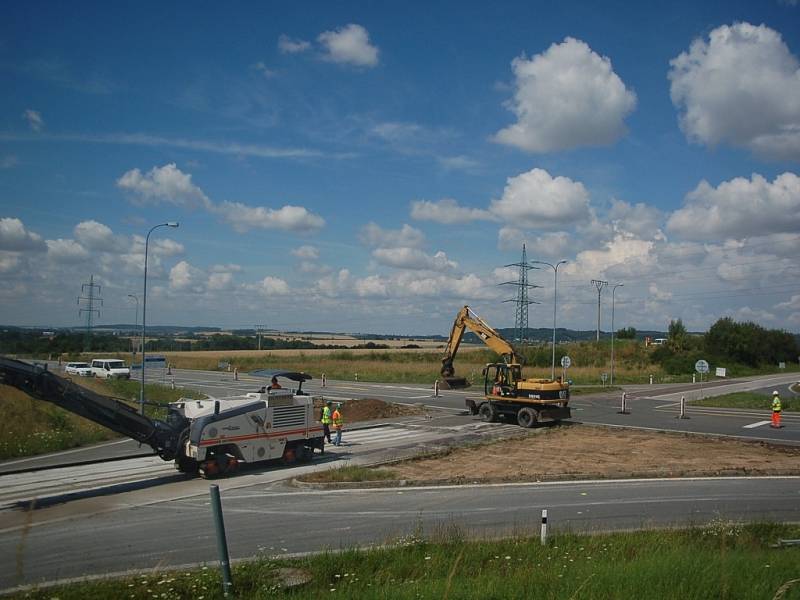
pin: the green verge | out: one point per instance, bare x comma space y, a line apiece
745, 400
722, 560
349, 473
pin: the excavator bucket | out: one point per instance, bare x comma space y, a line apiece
454, 383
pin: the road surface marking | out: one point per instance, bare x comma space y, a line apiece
757, 424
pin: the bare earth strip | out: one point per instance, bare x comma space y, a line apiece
596, 452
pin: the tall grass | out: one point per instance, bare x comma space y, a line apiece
720, 560
29, 427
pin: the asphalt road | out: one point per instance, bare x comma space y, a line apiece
274, 520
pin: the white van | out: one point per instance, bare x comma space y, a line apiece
110, 368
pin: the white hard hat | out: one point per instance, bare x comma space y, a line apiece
775, 393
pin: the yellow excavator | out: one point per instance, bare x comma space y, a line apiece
507, 395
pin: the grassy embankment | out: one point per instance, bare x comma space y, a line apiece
722, 560
31, 427
746, 400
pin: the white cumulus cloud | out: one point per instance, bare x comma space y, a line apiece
447, 211
293, 218
741, 86
15, 237
413, 258
163, 184
306, 252
66, 251
183, 276
349, 45
538, 200
96, 236
273, 286
566, 97
289, 45
406, 237
739, 208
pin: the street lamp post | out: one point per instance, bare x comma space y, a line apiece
136, 324
144, 305
613, 289
555, 300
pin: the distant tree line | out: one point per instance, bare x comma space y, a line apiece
727, 341
35, 343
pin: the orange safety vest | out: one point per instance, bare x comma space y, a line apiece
337, 419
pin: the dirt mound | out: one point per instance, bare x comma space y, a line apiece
367, 409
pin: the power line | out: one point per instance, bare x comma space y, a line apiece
521, 299
89, 307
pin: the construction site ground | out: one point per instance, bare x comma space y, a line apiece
588, 452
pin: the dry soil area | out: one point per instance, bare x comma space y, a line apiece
367, 409
580, 451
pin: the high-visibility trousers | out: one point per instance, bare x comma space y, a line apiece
776, 418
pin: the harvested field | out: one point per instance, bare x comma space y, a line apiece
580, 451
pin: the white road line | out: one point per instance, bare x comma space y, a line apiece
753, 425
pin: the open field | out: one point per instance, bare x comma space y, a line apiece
395, 365
589, 452
722, 559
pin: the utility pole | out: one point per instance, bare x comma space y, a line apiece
555, 301
521, 300
613, 289
90, 302
599, 285
259, 329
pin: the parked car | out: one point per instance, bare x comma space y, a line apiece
110, 368
78, 368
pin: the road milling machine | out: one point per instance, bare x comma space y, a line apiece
507, 394
209, 437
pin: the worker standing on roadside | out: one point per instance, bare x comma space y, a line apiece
326, 421
338, 421
776, 410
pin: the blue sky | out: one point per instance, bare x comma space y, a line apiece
370, 168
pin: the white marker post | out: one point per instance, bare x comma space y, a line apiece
624, 410
436, 389
323, 380
543, 535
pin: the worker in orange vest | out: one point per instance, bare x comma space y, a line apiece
776, 410
337, 425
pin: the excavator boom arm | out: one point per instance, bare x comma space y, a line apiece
467, 319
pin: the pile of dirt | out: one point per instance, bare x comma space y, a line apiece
367, 409
587, 452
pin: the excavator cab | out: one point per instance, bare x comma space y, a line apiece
500, 379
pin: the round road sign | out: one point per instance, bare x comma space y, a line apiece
566, 362
701, 366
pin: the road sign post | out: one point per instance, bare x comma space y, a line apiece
701, 367
566, 361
